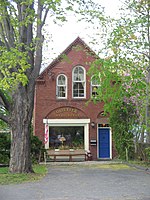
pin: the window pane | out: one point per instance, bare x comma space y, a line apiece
81, 77
81, 74
78, 74
61, 80
94, 81
75, 90
94, 91
78, 90
75, 77
95, 84
61, 91
76, 70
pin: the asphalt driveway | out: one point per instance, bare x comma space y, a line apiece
80, 182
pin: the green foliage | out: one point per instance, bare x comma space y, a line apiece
37, 149
119, 93
121, 121
4, 148
3, 125
9, 60
124, 74
147, 152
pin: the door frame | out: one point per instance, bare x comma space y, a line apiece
110, 141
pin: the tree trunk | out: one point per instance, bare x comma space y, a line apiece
20, 159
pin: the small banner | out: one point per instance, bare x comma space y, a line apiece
46, 134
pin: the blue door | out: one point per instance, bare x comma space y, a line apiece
104, 143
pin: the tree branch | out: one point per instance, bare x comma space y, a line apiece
39, 42
140, 52
134, 9
5, 101
22, 28
30, 45
3, 37
8, 28
45, 16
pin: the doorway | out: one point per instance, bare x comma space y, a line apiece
104, 143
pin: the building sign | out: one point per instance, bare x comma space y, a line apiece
66, 113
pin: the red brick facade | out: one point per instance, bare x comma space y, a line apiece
49, 109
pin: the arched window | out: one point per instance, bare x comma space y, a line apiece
61, 90
79, 82
95, 83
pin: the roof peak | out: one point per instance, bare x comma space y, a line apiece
78, 40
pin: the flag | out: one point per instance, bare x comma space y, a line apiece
46, 134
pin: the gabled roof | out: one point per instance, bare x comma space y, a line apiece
77, 41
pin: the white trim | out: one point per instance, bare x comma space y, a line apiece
71, 122
86, 137
110, 141
66, 121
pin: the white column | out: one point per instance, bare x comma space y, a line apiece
86, 137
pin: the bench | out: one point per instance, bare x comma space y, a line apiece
67, 153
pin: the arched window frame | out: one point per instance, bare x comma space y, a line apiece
94, 86
81, 81
59, 87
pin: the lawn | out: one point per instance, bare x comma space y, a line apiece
8, 178
112, 166
140, 163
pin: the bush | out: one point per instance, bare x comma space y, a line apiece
4, 148
147, 152
121, 121
37, 149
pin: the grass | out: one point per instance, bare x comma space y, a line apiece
112, 166
109, 166
8, 178
140, 163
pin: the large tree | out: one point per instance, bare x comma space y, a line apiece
124, 75
21, 42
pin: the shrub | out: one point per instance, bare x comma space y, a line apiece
37, 149
121, 121
147, 152
5, 143
4, 148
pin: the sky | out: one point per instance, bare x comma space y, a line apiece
60, 37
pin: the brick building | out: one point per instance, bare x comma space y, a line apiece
61, 112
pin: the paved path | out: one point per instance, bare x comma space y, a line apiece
82, 182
